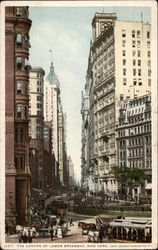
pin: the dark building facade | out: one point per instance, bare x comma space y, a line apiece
17, 102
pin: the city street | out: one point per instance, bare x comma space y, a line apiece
74, 234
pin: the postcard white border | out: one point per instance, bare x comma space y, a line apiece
145, 3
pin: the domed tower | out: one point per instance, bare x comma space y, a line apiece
17, 103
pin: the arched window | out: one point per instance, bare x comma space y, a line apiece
19, 39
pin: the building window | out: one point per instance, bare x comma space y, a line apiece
27, 43
139, 62
19, 63
139, 53
26, 112
123, 43
134, 82
138, 44
19, 39
26, 88
149, 53
16, 135
140, 82
27, 64
134, 62
123, 33
138, 33
22, 162
139, 72
21, 135
133, 33
148, 34
19, 108
149, 72
124, 62
133, 44
16, 162
134, 72
19, 85
19, 11
134, 53
149, 63
121, 97
124, 72
123, 53
148, 44
124, 81
149, 82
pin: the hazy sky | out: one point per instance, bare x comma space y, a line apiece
67, 32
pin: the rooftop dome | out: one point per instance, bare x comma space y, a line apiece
52, 78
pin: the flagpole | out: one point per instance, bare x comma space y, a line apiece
51, 58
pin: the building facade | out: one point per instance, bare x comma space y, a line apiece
71, 172
134, 140
120, 67
49, 159
61, 144
36, 115
17, 45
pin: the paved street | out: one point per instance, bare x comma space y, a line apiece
74, 234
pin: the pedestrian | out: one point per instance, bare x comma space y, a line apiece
100, 236
30, 235
51, 233
71, 222
20, 236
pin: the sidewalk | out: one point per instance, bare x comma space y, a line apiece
12, 236
80, 215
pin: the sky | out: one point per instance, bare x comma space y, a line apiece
67, 32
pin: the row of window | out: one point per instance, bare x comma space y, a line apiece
135, 152
134, 44
140, 129
139, 141
139, 118
138, 53
136, 34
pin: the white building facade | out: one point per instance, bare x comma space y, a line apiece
51, 101
120, 67
36, 115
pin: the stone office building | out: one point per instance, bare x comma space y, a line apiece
36, 115
120, 67
17, 172
134, 140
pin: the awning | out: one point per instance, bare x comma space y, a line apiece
148, 186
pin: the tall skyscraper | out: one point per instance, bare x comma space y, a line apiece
119, 66
51, 114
